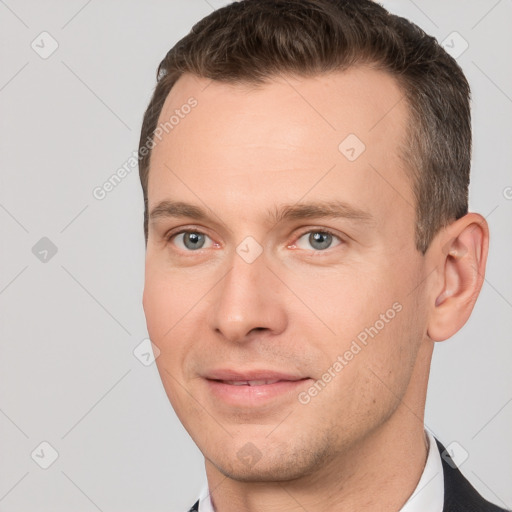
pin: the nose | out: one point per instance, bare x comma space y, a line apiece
248, 300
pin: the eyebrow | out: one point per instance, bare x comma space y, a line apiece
286, 212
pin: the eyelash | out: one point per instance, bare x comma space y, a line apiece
300, 235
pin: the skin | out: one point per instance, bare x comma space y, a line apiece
359, 444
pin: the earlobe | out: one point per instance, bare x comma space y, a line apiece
462, 256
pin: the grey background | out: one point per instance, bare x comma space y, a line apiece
69, 326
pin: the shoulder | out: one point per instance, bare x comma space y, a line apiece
459, 494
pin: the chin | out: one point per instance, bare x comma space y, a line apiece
264, 473
249, 465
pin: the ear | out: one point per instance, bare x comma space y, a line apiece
460, 252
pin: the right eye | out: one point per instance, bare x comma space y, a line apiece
189, 241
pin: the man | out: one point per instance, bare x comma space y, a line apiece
305, 170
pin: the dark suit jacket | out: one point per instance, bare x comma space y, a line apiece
459, 494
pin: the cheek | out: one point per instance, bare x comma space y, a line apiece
375, 336
374, 377
167, 298
391, 354
174, 305
165, 309
346, 300
158, 305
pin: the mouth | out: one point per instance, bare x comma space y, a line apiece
251, 391
263, 382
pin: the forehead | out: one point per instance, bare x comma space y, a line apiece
241, 141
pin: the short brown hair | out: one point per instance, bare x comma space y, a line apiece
252, 41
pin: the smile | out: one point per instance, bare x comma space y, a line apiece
254, 393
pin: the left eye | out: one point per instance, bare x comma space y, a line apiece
318, 239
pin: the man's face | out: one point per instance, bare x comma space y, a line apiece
255, 297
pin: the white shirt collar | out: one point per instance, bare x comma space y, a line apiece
428, 495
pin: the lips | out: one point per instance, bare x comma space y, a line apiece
249, 382
251, 377
253, 389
